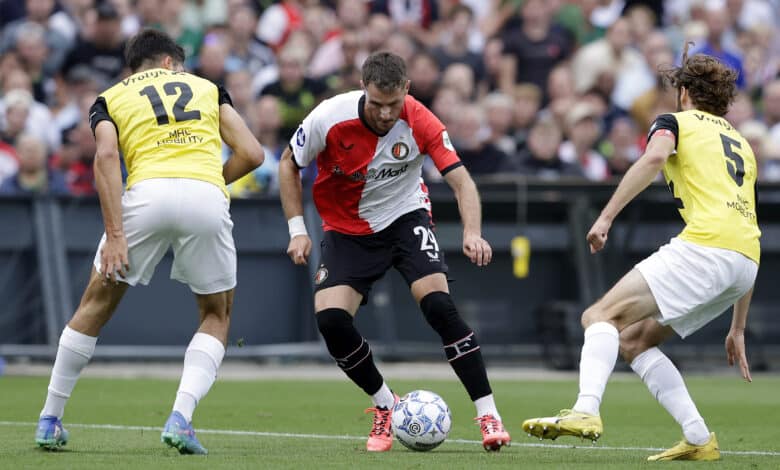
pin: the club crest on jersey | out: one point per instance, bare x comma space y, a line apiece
400, 150
300, 137
321, 275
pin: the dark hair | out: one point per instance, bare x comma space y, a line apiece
385, 70
151, 45
711, 84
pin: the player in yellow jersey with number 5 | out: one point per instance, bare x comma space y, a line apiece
169, 126
707, 268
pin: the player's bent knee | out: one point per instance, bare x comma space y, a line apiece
590, 316
332, 321
439, 310
347, 347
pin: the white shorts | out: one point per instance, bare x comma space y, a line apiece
693, 284
189, 215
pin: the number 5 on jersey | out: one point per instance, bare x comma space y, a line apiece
737, 168
179, 111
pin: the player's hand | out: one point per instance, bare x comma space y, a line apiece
299, 249
477, 249
597, 237
735, 352
113, 259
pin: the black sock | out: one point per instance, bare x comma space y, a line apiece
350, 350
460, 343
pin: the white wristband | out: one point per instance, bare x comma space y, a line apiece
297, 226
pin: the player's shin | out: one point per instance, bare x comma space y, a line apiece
461, 348
203, 357
353, 354
597, 360
74, 352
667, 385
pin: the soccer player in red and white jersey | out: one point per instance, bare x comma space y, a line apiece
369, 147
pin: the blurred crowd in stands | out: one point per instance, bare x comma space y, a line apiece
545, 88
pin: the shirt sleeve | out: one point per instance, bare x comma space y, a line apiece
434, 140
99, 112
666, 123
309, 140
224, 96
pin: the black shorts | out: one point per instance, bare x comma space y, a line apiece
408, 244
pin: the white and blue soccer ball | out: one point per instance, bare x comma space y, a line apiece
421, 420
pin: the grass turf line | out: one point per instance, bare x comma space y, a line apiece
251, 423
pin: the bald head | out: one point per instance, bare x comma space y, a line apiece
32, 153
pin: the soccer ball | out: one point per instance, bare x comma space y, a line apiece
421, 420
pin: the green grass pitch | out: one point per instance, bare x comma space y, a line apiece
320, 424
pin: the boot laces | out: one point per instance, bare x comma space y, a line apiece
381, 425
489, 424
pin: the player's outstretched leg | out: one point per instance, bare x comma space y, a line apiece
353, 355
462, 350
201, 361
667, 386
598, 357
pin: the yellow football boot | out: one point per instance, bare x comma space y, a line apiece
566, 423
687, 451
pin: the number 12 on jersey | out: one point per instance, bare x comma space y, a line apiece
179, 111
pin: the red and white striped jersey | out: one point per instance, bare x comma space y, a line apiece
366, 181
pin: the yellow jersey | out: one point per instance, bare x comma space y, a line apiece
712, 176
168, 125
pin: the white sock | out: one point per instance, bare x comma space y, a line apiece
487, 406
74, 352
667, 386
384, 398
201, 361
599, 353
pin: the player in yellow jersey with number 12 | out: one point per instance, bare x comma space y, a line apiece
169, 126
707, 268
